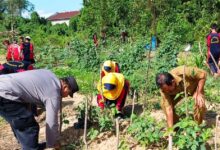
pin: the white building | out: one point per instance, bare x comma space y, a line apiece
63, 17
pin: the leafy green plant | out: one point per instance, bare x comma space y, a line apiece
123, 145
146, 131
190, 135
212, 89
92, 134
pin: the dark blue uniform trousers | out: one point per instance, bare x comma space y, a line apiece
22, 122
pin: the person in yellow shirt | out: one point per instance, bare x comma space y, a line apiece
172, 83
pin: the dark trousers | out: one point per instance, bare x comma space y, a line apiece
22, 122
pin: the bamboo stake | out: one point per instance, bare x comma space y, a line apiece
187, 48
117, 132
101, 82
170, 142
85, 124
132, 110
185, 92
148, 68
200, 49
216, 130
61, 117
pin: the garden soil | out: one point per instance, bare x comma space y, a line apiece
104, 141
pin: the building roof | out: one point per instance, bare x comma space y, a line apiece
63, 15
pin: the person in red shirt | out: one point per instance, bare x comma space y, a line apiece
27, 49
108, 67
113, 89
213, 45
14, 52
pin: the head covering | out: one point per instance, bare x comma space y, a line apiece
112, 85
28, 37
109, 66
72, 84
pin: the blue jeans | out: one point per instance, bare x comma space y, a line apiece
22, 122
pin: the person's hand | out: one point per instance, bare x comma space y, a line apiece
199, 99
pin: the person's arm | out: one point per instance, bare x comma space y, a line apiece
199, 76
199, 93
169, 116
8, 56
167, 107
32, 53
208, 41
52, 133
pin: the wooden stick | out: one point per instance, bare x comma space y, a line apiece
85, 124
185, 92
61, 117
102, 99
170, 142
132, 110
117, 131
200, 49
216, 130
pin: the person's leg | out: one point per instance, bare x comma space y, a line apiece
122, 98
212, 67
22, 122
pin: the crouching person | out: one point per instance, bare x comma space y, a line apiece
15, 66
113, 89
172, 83
40, 87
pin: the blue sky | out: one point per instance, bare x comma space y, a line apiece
45, 8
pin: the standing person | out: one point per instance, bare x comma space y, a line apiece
103, 37
27, 49
21, 40
113, 89
213, 44
95, 40
14, 52
40, 87
172, 83
109, 66
124, 36
6, 43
